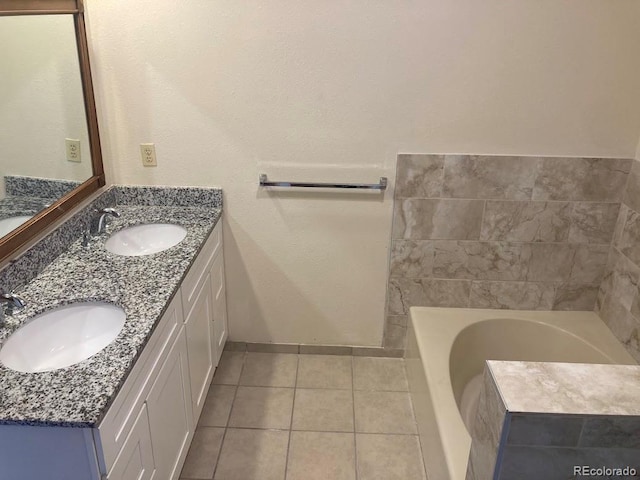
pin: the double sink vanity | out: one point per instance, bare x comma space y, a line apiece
106, 368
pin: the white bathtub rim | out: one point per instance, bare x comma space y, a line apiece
450, 322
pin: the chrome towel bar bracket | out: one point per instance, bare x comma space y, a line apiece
381, 185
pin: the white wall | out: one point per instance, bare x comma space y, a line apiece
41, 100
334, 90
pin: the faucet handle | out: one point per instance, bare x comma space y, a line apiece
13, 301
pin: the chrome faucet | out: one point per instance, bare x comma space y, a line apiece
13, 302
99, 223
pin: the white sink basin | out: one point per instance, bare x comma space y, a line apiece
145, 239
62, 337
9, 224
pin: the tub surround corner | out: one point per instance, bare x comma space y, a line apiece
557, 417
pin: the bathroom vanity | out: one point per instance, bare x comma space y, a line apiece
129, 411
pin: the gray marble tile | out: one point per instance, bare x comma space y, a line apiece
419, 176
512, 295
628, 241
402, 459
571, 296
424, 219
620, 223
497, 177
395, 336
481, 260
622, 279
378, 352
624, 325
411, 258
589, 264
486, 430
560, 387
526, 221
611, 432
581, 179
557, 463
632, 192
550, 262
551, 430
426, 292
593, 222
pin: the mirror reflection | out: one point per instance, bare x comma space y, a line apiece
44, 141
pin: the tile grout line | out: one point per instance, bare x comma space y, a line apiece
226, 427
293, 405
353, 399
415, 421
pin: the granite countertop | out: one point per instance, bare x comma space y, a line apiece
143, 286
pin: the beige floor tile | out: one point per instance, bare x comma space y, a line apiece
384, 412
262, 407
253, 455
324, 371
228, 371
269, 369
389, 457
323, 410
217, 407
321, 456
379, 374
203, 453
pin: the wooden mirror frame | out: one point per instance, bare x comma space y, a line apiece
21, 236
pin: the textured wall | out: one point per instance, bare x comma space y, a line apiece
526, 233
333, 90
619, 297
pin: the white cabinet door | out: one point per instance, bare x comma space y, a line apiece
170, 414
135, 460
218, 295
199, 328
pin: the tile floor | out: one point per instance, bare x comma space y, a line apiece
313, 417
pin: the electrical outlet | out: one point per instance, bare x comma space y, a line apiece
148, 153
73, 149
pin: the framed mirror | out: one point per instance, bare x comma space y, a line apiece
50, 157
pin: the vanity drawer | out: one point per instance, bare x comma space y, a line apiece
115, 427
200, 269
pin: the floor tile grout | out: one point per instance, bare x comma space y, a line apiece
353, 402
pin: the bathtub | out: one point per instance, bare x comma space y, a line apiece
445, 356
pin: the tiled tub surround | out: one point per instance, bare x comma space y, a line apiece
79, 395
619, 297
540, 420
500, 232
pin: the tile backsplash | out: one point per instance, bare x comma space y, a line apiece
511, 232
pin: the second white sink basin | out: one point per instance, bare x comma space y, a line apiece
62, 337
145, 239
9, 224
